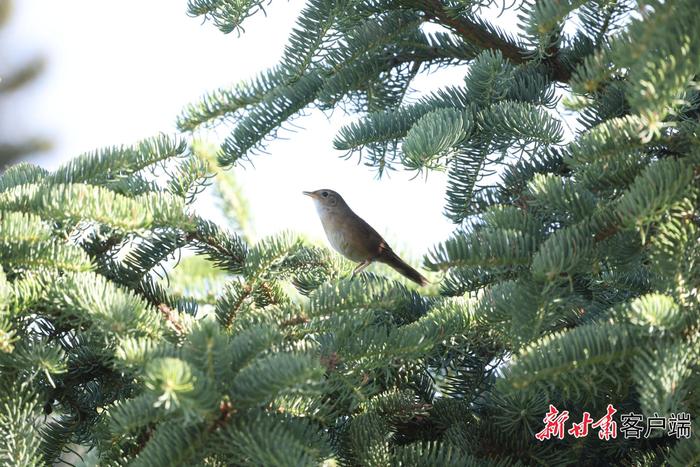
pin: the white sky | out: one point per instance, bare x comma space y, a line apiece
120, 71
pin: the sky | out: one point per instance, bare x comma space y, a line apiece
119, 71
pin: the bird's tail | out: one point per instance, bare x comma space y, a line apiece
393, 260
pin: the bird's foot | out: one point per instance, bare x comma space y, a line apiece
360, 267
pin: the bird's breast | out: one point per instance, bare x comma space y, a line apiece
340, 236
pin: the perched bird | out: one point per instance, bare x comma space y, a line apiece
354, 238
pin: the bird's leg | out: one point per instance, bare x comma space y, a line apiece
361, 266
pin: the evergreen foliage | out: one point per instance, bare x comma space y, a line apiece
12, 79
571, 278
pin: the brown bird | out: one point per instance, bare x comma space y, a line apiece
354, 238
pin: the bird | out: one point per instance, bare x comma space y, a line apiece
354, 238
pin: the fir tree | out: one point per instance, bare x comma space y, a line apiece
571, 279
13, 79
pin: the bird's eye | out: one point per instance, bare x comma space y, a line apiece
324, 194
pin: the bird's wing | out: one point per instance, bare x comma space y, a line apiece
367, 238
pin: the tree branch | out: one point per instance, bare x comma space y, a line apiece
477, 35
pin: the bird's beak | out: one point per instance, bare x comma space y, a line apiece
309, 193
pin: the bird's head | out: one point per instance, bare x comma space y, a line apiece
325, 198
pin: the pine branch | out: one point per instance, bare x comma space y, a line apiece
481, 37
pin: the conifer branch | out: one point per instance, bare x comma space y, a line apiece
475, 34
